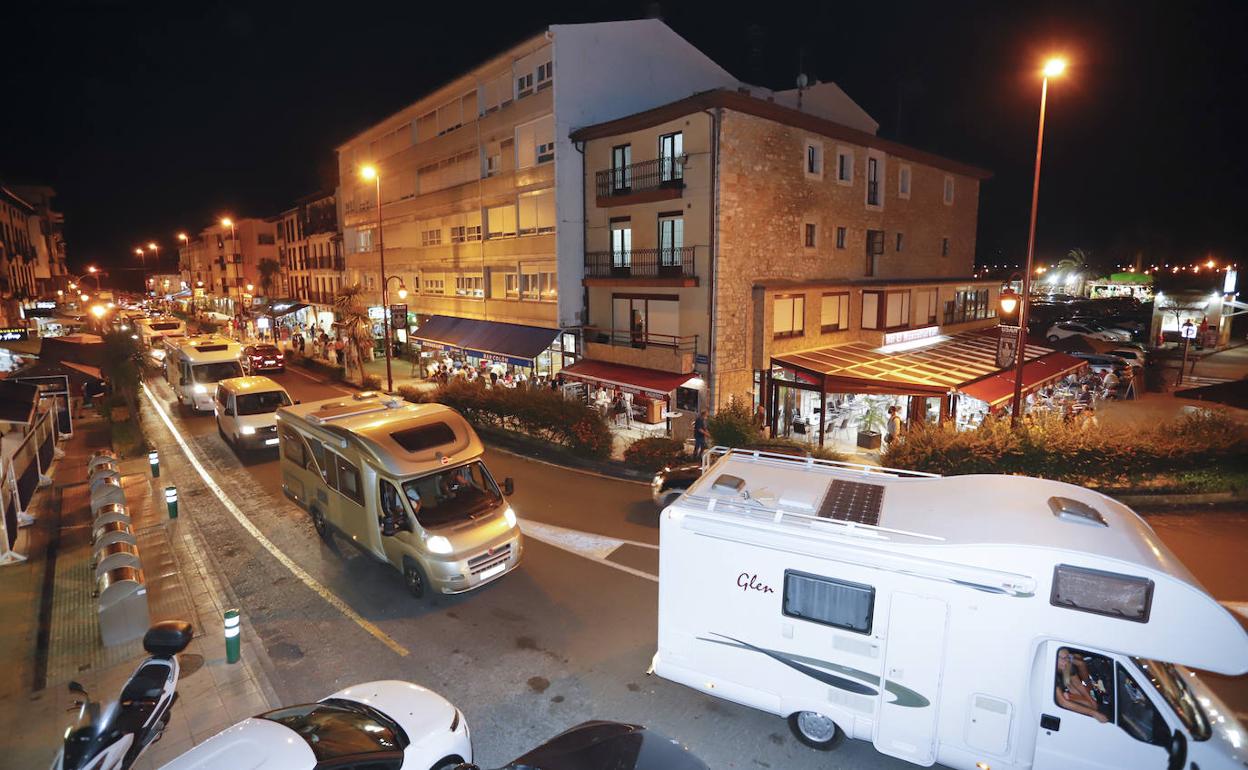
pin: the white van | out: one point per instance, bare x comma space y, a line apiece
977, 621
406, 483
194, 365
246, 410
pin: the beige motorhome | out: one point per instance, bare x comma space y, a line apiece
194, 366
405, 483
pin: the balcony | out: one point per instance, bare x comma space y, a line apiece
648, 180
665, 352
651, 267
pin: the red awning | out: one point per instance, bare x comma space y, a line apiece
998, 388
631, 378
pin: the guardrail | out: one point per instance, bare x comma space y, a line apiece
21, 474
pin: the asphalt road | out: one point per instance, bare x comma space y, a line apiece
564, 639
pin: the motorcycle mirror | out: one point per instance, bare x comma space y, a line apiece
75, 687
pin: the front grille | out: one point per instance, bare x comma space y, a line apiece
490, 558
267, 429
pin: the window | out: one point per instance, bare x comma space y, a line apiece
944, 247
836, 603
545, 72
266, 239
814, 159
789, 316
457, 235
871, 310
840, 237
524, 85
431, 237
452, 496
810, 238
427, 126
671, 239
434, 286
834, 312
336, 728
425, 437
495, 93
511, 286
364, 240
535, 142
1137, 716
948, 190
903, 182
899, 239
473, 232
873, 181
1174, 689
500, 221
968, 305
293, 448
450, 116
537, 212
926, 305
493, 163
1103, 593
621, 242
671, 157
844, 165
470, 286
538, 286
621, 174
1084, 683
897, 310
875, 250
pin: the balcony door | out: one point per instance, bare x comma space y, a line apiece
671, 154
621, 171
671, 239
621, 244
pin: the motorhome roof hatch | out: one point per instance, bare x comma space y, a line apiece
1076, 512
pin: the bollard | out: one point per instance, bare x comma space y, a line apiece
153, 459
232, 652
171, 501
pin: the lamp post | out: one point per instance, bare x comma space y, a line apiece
238, 311
1052, 68
370, 173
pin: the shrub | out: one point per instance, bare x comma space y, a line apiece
652, 454
371, 382
733, 425
317, 366
790, 447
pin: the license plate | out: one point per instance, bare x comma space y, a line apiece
271, 441
497, 569
269, 363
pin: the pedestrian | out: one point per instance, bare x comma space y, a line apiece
760, 420
338, 350
628, 408
700, 434
893, 426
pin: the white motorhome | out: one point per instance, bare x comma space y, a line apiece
151, 330
981, 622
406, 483
194, 365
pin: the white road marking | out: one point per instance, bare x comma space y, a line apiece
585, 544
1240, 607
254, 531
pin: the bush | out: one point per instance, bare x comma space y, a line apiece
127, 438
653, 454
315, 365
790, 447
733, 425
371, 382
543, 414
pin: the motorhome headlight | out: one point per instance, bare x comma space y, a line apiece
510, 516
438, 544
248, 430
199, 388
134, 336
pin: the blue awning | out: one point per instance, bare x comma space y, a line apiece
509, 343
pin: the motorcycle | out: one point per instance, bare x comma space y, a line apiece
112, 737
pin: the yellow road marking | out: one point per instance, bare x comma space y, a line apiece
252, 530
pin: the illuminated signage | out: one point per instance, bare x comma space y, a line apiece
14, 334
1228, 284
911, 335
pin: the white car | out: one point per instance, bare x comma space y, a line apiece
1090, 329
388, 724
1133, 356
246, 409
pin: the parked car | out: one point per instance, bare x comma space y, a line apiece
1086, 328
263, 358
670, 483
388, 724
1101, 362
1132, 355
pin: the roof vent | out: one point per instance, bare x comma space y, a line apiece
365, 394
727, 484
1076, 512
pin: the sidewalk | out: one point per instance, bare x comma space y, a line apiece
52, 633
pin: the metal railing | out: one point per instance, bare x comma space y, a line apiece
641, 339
20, 472
643, 175
641, 263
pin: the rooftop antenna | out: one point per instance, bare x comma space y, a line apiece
801, 76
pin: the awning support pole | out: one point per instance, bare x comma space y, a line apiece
823, 408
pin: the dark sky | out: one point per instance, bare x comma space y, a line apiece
150, 118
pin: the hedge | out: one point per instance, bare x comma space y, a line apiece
653, 454
317, 366
540, 413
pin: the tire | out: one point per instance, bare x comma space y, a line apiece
319, 524
414, 579
1053, 338
815, 730
450, 763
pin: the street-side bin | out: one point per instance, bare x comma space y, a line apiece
114, 555
112, 532
123, 605
111, 512
108, 491
101, 457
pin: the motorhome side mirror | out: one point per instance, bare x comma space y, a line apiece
297, 401
77, 688
509, 486
1178, 751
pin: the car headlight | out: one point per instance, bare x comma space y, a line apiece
510, 516
656, 482
438, 544
200, 389
248, 430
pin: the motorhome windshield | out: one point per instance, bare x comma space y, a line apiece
453, 495
208, 373
262, 403
1169, 682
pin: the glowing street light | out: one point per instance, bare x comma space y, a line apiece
1054, 67
98, 311
371, 174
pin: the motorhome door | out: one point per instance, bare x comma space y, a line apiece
905, 726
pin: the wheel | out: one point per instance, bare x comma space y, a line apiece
449, 764
1054, 338
414, 578
318, 523
815, 730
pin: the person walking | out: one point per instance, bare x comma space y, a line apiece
893, 426
700, 434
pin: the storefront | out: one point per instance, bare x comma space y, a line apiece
655, 397
503, 349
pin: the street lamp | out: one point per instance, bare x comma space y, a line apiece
238, 312
1052, 68
370, 173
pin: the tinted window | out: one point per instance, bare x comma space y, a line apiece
452, 495
1136, 714
349, 480
262, 403
831, 602
292, 448
1170, 683
208, 373
1103, 593
340, 728
424, 437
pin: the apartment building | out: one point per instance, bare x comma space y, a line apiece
771, 247
221, 264
22, 247
481, 208
50, 269
309, 248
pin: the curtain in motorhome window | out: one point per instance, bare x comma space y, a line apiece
349, 480
831, 602
292, 447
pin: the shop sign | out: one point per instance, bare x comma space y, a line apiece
40, 309
701, 359
501, 359
376, 312
398, 316
14, 334
910, 335
1228, 284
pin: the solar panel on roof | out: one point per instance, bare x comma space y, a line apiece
853, 501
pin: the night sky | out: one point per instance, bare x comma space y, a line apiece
153, 118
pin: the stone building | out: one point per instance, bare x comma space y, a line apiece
221, 265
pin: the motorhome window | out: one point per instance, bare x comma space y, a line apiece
1085, 683
262, 403
1173, 688
209, 373
292, 448
835, 603
349, 480
329, 469
1136, 714
163, 327
424, 437
1102, 593
453, 495
393, 514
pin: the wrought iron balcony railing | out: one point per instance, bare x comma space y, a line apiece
668, 262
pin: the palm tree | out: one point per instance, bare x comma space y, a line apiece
355, 325
122, 367
269, 268
1075, 264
